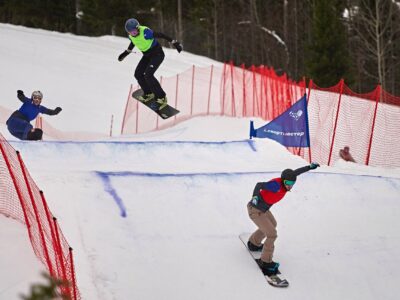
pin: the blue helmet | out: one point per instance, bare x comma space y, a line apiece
131, 25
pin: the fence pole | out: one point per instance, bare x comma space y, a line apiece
233, 111
72, 273
290, 89
378, 98
274, 94
223, 90
176, 93
51, 225
111, 126
191, 98
282, 92
262, 82
288, 98
137, 117
39, 122
308, 100
268, 95
60, 256
254, 91
336, 121
126, 110
209, 89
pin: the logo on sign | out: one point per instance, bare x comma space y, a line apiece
296, 115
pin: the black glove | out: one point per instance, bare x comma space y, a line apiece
123, 55
57, 110
20, 93
177, 45
314, 165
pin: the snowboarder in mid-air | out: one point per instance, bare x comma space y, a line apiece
19, 122
145, 40
265, 195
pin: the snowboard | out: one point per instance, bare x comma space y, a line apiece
164, 113
274, 280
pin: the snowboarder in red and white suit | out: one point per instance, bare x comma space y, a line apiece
265, 195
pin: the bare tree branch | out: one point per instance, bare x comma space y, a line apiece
271, 33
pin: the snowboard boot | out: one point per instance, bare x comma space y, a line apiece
268, 269
146, 98
162, 102
35, 135
253, 247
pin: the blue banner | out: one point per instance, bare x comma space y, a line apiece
289, 129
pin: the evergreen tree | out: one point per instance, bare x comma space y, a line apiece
327, 59
297, 37
48, 290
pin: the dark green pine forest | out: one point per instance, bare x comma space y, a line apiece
323, 40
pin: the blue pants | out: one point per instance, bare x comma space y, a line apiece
19, 127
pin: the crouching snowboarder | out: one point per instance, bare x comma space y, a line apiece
19, 122
265, 195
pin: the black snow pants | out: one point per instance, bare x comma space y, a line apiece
145, 70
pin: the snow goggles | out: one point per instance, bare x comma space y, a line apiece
289, 182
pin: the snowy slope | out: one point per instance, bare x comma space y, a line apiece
157, 216
80, 74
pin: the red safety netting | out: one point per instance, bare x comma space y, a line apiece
191, 92
338, 117
257, 92
22, 200
366, 123
226, 90
385, 138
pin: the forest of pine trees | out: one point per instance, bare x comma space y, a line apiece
326, 40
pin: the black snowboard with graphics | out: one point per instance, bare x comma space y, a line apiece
165, 113
274, 280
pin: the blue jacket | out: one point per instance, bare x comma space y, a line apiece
30, 111
19, 122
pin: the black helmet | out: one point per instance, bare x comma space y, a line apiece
288, 174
